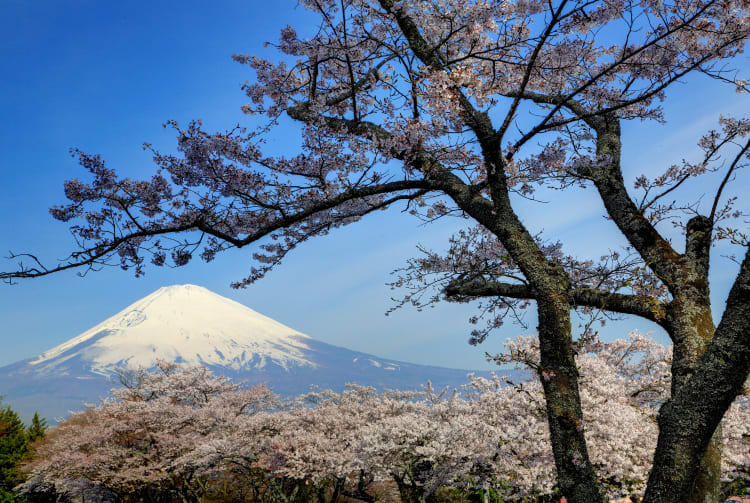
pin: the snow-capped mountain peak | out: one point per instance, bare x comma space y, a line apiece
184, 323
192, 325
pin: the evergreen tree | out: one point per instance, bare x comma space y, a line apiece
13, 446
37, 429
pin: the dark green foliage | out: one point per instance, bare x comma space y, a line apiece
13, 446
9, 497
37, 429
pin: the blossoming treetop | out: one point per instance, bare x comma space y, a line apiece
451, 106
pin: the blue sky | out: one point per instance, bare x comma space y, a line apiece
104, 76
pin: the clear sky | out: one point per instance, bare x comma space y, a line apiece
104, 76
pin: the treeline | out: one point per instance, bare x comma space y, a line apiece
184, 434
16, 441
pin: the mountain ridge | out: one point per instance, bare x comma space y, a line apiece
177, 314
191, 325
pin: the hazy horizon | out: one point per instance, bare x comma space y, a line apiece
104, 77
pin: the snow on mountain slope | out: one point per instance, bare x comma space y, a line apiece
191, 325
185, 323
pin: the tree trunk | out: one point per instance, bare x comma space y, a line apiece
692, 331
323, 489
575, 475
410, 492
688, 420
691, 327
360, 492
559, 375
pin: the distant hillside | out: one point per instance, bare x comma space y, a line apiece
192, 325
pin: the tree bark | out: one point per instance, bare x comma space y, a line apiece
691, 326
575, 474
695, 334
411, 492
688, 420
689, 323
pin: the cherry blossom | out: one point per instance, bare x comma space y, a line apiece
182, 429
451, 107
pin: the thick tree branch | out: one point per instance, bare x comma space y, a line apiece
638, 305
608, 179
94, 255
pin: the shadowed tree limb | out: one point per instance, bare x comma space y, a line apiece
97, 255
638, 305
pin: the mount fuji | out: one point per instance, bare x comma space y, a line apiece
191, 325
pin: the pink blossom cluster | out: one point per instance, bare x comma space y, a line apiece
183, 427
371, 113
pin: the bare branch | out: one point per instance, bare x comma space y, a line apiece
732, 167
638, 305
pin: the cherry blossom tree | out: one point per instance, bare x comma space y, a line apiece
167, 431
440, 104
325, 444
419, 440
315, 443
423, 445
623, 385
478, 266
